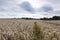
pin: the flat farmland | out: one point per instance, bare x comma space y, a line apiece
20, 29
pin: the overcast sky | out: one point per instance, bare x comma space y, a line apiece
29, 8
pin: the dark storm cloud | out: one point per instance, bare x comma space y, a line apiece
27, 6
46, 8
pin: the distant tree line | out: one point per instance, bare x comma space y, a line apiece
45, 18
28, 18
53, 18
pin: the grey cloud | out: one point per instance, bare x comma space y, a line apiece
46, 8
54, 13
27, 6
54, 1
55, 8
13, 6
10, 5
57, 12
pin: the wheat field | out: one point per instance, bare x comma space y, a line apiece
20, 29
